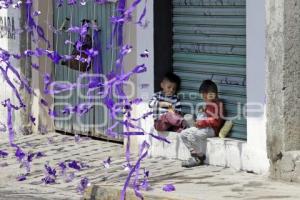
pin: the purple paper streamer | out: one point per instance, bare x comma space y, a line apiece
144, 147
50, 175
74, 164
168, 188
3, 154
32, 25
11, 132
40, 154
107, 162
21, 177
143, 15
135, 183
97, 61
131, 133
8, 81
2, 127
84, 183
116, 81
69, 177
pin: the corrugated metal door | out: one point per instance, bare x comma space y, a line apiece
96, 121
209, 42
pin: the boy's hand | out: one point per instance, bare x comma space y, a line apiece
164, 104
195, 124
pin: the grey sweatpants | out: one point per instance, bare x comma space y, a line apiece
195, 139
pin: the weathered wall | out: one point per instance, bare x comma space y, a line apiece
283, 112
10, 20
43, 120
254, 152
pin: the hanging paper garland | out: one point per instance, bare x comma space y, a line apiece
84, 55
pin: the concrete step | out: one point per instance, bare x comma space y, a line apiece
220, 152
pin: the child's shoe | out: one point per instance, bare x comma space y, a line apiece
191, 162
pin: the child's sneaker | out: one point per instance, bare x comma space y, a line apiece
191, 162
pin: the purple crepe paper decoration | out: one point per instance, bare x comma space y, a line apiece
50, 175
47, 82
107, 162
161, 138
40, 154
50, 140
74, 164
168, 188
63, 167
52, 113
77, 138
126, 166
84, 183
143, 16
101, 1
59, 3
36, 13
122, 77
131, 133
136, 185
2, 127
32, 119
17, 56
32, 25
145, 184
48, 180
144, 148
145, 54
71, 2
44, 102
21, 177
69, 177
84, 165
97, 61
11, 133
19, 154
8, 81
30, 157
3, 154
54, 56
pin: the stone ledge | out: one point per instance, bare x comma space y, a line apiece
97, 192
225, 152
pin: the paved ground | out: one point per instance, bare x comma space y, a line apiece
205, 182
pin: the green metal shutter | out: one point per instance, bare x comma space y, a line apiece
209, 42
97, 116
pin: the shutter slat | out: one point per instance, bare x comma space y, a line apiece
209, 3
209, 11
202, 29
211, 49
209, 20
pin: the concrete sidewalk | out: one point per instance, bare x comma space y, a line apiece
205, 182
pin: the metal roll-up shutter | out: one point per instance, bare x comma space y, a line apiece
209, 42
97, 120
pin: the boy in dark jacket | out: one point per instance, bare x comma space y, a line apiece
166, 105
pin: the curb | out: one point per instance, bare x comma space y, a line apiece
97, 192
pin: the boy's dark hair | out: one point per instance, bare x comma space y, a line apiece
173, 78
208, 86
